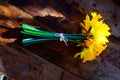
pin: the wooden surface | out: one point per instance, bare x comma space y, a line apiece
25, 65
58, 62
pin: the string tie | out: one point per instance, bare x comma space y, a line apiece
62, 38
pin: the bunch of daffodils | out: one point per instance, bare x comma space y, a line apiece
94, 36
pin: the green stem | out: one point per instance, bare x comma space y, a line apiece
47, 36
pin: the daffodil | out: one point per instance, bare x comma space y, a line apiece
98, 32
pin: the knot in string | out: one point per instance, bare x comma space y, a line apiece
62, 38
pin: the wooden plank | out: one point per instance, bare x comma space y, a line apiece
20, 64
9, 16
53, 15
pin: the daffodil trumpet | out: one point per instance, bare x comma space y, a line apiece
94, 36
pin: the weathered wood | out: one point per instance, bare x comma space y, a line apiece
19, 64
105, 67
100, 69
9, 16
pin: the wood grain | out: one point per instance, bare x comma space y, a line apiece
65, 18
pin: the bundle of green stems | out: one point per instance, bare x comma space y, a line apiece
37, 36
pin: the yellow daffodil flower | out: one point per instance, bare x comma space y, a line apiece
97, 43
